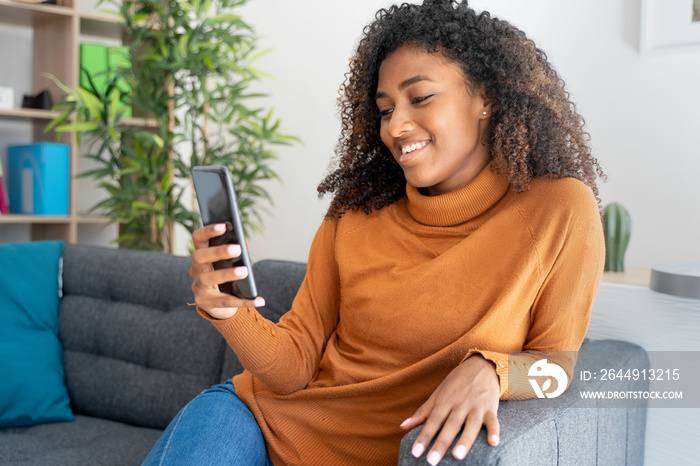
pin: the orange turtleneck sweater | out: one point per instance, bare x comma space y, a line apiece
395, 300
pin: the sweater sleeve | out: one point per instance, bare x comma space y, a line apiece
285, 356
561, 310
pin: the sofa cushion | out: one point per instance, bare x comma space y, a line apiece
134, 350
32, 388
87, 441
278, 282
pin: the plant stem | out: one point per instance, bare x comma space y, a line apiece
170, 88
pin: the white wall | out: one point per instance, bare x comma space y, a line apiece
642, 111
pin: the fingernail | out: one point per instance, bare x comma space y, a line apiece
460, 452
417, 450
494, 440
234, 250
259, 302
220, 227
434, 458
405, 422
240, 271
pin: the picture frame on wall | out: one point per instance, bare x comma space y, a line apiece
670, 26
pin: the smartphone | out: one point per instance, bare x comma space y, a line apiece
216, 197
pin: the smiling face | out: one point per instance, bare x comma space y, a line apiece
430, 122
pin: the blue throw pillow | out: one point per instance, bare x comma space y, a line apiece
32, 382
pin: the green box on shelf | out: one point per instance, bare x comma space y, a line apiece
38, 178
101, 62
93, 60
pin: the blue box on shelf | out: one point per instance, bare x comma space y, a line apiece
38, 178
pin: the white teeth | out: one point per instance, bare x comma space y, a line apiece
412, 147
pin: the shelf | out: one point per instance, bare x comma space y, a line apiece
24, 219
19, 218
140, 122
28, 114
26, 14
56, 33
94, 219
36, 114
101, 24
92, 23
98, 17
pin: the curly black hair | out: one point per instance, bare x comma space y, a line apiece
535, 129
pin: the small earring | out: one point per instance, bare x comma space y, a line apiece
484, 112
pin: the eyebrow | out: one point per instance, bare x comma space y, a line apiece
404, 85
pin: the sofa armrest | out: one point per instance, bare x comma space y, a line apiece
567, 429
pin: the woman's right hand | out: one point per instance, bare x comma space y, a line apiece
206, 280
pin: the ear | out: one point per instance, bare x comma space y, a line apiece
488, 103
494, 107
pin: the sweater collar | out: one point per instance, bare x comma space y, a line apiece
458, 206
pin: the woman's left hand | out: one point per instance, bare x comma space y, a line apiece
468, 397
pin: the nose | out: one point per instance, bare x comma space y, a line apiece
400, 122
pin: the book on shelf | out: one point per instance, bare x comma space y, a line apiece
38, 178
4, 199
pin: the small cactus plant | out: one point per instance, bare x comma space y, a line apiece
617, 226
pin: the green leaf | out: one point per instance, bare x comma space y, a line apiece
78, 127
260, 54
93, 104
209, 62
114, 101
141, 205
165, 181
223, 18
60, 119
158, 141
97, 173
183, 43
56, 81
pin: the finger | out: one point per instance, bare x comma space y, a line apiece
202, 259
493, 428
419, 416
472, 426
432, 425
450, 429
201, 237
226, 301
214, 278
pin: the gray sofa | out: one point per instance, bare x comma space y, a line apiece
136, 352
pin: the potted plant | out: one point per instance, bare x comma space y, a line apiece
191, 67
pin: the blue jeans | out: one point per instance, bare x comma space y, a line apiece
215, 428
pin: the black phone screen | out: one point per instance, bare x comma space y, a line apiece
217, 204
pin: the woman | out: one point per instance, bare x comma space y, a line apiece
464, 226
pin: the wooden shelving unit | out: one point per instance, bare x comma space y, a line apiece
57, 32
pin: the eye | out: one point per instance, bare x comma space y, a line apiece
385, 112
417, 100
